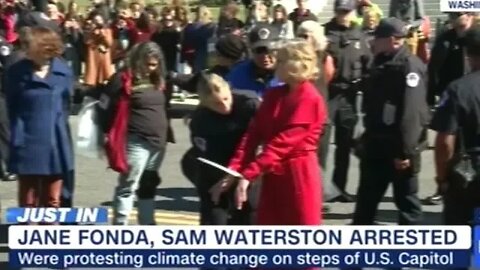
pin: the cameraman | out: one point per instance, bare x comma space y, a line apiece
98, 60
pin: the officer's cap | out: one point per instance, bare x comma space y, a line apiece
264, 35
391, 27
345, 5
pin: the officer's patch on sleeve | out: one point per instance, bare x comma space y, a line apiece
413, 79
5, 50
200, 143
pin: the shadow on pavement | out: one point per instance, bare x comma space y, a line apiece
175, 200
429, 218
389, 216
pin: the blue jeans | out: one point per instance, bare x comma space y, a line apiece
143, 159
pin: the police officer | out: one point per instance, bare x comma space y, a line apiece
5, 52
351, 53
230, 49
459, 110
448, 62
253, 76
216, 128
396, 116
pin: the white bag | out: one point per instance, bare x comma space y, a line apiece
88, 133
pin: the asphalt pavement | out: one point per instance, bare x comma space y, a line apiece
176, 200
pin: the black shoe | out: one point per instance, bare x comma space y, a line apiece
9, 177
344, 198
435, 199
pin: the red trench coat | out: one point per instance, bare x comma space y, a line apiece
288, 125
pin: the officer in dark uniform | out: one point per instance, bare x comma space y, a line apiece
448, 62
229, 50
349, 48
459, 110
5, 52
396, 116
216, 128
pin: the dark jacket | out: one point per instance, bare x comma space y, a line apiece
196, 37
227, 25
447, 63
216, 136
352, 57
396, 111
168, 40
297, 18
74, 49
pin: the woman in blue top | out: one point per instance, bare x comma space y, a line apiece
38, 94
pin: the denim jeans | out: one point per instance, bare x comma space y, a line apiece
143, 159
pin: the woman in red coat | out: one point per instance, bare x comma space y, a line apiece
287, 125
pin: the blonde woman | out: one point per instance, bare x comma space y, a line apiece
196, 37
216, 128
287, 125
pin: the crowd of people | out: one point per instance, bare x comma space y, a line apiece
278, 85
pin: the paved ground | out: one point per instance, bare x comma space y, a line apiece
176, 199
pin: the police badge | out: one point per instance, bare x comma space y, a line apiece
263, 33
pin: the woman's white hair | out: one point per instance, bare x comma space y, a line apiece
317, 32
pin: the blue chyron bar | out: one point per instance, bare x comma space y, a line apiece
476, 216
57, 215
476, 248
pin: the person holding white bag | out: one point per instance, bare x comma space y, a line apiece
144, 135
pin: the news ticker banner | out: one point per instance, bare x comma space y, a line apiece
241, 246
